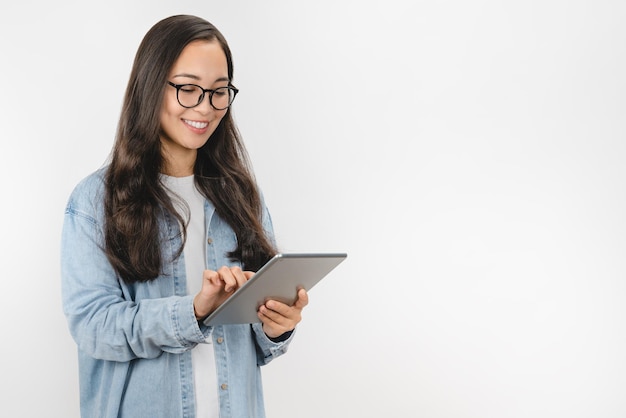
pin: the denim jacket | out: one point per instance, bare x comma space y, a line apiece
134, 340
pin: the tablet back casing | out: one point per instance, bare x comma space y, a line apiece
279, 279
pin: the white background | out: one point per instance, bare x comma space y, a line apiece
468, 155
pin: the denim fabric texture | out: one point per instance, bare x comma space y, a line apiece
134, 340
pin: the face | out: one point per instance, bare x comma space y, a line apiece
185, 130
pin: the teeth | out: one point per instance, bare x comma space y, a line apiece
197, 125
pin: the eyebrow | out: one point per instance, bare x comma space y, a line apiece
195, 77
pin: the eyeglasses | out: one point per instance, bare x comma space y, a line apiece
191, 95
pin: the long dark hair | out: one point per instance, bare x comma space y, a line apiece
135, 198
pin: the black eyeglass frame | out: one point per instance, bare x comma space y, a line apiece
234, 89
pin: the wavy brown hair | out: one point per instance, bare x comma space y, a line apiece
135, 198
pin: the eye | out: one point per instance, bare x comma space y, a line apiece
188, 89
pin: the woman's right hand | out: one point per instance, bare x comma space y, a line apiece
217, 286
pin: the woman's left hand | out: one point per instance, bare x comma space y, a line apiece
279, 318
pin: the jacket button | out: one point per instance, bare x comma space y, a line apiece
224, 386
220, 340
209, 241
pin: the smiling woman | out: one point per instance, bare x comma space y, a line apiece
162, 236
187, 120
469, 155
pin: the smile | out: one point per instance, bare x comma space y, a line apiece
197, 125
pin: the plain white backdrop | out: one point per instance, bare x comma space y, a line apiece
468, 155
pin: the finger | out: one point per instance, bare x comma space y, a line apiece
269, 326
226, 275
248, 274
277, 307
283, 314
273, 317
239, 276
211, 276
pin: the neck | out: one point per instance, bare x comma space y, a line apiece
178, 170
178, 163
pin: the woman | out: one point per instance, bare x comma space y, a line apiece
159, 238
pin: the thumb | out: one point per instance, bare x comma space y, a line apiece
303, 299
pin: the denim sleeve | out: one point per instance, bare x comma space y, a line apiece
267, 350
103, 318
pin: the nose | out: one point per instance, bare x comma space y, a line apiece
204, 107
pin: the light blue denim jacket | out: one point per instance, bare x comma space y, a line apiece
134, 340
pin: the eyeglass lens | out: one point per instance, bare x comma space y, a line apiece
190, 96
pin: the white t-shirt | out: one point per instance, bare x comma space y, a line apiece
203, 355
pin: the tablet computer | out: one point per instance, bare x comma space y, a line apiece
279, 279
